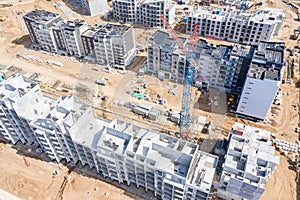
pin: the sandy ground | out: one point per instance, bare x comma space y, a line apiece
282, 184
37, 181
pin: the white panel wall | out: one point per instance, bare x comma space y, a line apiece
257, 97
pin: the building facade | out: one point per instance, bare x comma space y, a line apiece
236, 26
264, 77
249, 162
94, 7
39, 23
225, 68
66, 129
107, 44
21, 102
146, 12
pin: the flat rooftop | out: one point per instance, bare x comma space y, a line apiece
25, 96
66, 111
112, 30
266, 15
41, 16
165, 39
161, 151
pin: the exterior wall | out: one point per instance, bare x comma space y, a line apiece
144, 12
94, 7
65, 132
14, 126
41, 36
234, 27
117, 50
251, 102
70, 38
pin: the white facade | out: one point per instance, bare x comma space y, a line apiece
114, 45
257, 97
21, 102
38, 23
249, 162
66, 129
144, 12
263, 81
94, 7
236, 26
106, 45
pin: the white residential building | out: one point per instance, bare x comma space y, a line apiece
170, 167
167, 61
264, 77
144, 12
21, 102
249, 162
107, 44
39, 23
66, 129
94, 7
235, 26
68, 37
114, 45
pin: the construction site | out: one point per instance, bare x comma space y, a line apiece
130, 93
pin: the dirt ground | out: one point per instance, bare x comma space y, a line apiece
282, 183
37, 181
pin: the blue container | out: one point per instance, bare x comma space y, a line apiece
185, 19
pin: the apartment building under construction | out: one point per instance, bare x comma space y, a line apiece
67, 130
225, 68
236, 26
249, 163
107, 44
146, 12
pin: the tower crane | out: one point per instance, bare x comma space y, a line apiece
185, 117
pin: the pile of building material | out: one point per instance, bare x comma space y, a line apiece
29, 57
287, 146
54, 62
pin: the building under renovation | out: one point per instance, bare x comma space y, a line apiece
225, 68
236, 26
107, 44
249, 162
94, 7
144, 12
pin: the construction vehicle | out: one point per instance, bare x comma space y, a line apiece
185, 117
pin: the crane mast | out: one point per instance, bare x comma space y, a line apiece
185, 117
